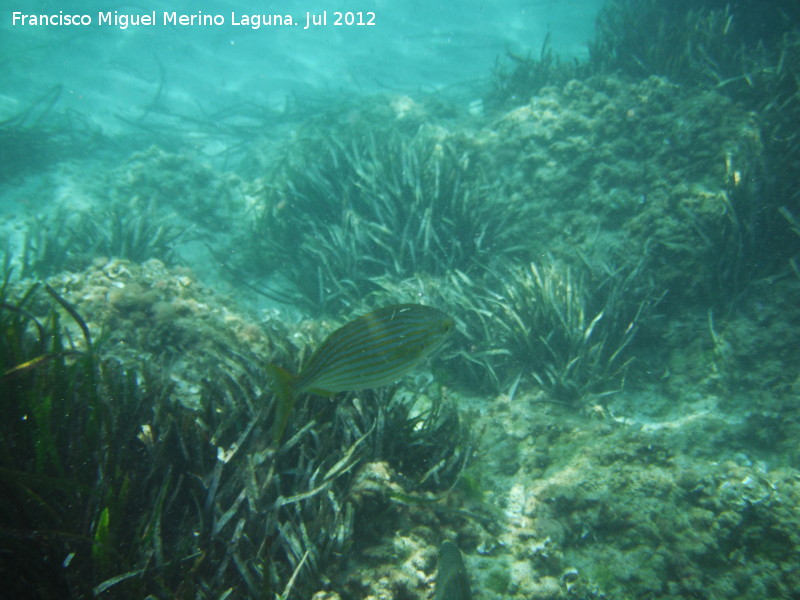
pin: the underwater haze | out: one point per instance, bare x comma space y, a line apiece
195, 69
400, 300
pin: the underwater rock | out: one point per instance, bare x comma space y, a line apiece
546, 588
374, 481
642, 166
180, 183
326, 596
166, 318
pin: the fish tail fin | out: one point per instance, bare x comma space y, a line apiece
281, 382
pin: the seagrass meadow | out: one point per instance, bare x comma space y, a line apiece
114, 487
611, 244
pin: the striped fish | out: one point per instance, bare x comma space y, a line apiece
452, 582
374, 350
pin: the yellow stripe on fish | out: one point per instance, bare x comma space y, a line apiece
374, 350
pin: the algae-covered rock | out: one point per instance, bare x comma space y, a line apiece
181, 183
640, 517
167, 319
650, 168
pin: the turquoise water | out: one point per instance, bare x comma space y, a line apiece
201, 69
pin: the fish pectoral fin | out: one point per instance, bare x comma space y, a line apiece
282, 384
